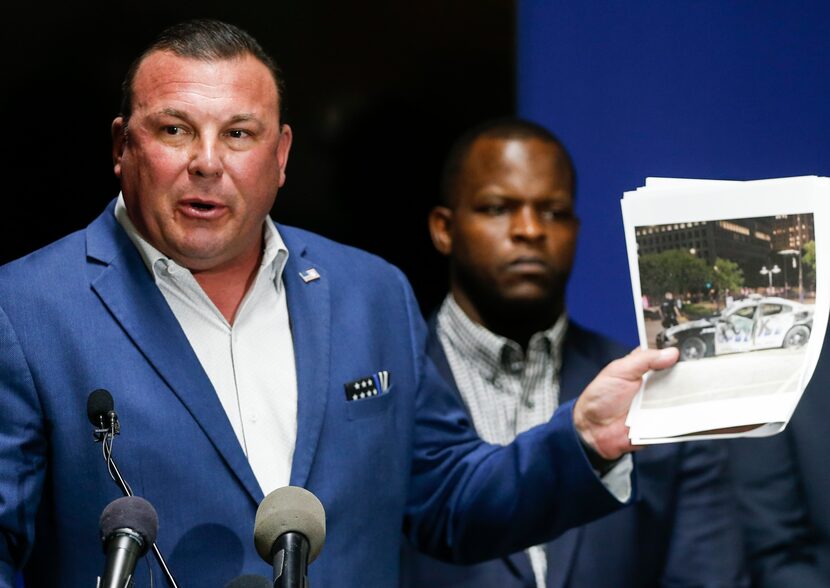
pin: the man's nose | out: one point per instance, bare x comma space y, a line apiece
205, 159
526, 223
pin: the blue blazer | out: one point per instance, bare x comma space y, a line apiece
84, 313
680, 532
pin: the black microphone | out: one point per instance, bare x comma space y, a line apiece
289, 532
128, 528
100, 409
249, 581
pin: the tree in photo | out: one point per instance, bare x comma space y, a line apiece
808, 260
727, 278
675, 271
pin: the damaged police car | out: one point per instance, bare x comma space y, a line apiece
749, 325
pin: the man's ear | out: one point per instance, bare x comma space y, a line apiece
283, 148
119, 142
440, 229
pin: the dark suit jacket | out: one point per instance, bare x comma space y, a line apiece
681, 531
783, 487
84, 313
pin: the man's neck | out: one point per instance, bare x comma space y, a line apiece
517, 322
227, 287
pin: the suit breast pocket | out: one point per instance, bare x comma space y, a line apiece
370, 407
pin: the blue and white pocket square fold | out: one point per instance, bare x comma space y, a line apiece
367, 386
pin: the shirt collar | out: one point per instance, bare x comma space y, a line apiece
274, 256
488, 348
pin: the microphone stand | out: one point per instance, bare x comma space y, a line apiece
105, 436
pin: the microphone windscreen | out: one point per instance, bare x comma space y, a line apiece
130, 512
98, 404
249, 581
286, 509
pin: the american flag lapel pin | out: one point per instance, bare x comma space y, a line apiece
310, 275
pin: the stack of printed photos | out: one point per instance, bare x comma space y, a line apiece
734, 275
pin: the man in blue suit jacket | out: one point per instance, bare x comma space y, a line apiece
508, 228
132, 303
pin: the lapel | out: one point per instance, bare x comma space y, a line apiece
561, 554
309, 309
578, 369
124, 285
436, 352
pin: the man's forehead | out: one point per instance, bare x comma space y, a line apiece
512, 148
243, 72
490, 158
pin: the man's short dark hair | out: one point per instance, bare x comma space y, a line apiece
206, 40
500, 128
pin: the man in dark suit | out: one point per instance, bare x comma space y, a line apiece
245, 356
502, 337
783, 491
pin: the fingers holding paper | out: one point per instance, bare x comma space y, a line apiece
601, 410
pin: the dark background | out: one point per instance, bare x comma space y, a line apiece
375, 92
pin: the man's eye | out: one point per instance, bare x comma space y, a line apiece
238, 134
494, 209
173, 130
557, 215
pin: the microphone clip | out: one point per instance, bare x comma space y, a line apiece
108, 426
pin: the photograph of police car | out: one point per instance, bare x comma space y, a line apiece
748, 325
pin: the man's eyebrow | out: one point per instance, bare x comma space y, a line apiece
173, 112
237, 118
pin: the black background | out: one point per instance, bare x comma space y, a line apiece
375, 92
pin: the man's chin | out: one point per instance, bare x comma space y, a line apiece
200, 257
528, 294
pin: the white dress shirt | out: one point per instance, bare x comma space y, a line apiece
250, 362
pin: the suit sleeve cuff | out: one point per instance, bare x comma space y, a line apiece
617, 480
615, 474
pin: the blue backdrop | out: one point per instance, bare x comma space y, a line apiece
704, 89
